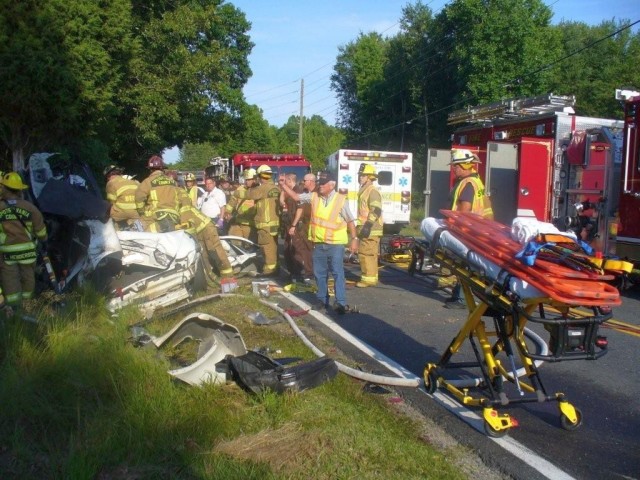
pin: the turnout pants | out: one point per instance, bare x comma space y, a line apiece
368, 251
18, 281
211, 241
269, 246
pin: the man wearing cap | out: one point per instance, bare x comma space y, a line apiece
332, 223
467, 195
369, 225
266, 196
21, 226
240, 211
121, 194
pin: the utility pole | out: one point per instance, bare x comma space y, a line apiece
301, 116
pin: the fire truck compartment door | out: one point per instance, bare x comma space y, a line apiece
436, 193
502, 180
534, 182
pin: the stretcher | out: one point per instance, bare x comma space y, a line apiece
505, 299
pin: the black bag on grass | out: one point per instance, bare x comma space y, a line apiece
257, 373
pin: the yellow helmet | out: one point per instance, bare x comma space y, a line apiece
13, 181
249, 174
189, 177
367, 169
264, 170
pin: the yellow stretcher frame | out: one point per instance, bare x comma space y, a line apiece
486, 299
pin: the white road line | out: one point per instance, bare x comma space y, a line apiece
521, 452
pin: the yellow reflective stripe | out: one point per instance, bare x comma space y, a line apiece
18, 247
127, 205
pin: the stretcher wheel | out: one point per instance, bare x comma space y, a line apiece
492, 432
566, 423
430, 378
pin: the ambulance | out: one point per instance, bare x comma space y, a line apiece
394, 181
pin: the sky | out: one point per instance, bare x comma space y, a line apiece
299, 39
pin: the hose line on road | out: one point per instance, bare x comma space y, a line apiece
352, 372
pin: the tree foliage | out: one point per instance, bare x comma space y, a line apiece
395, 93
135, 75
597, 60
61, 71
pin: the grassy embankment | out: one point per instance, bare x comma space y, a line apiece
78, 400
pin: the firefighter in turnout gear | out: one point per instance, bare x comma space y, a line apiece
241, 212
201, 227
21, 226
467, 195
194, 191
121, 194
157, 198
369, 225
266, 196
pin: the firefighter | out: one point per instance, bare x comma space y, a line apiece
194, 191
157, 198
266, 196
21, 227
331, 219
206, 233
241, 212
225, 185
369, 225
121, 194
467, 195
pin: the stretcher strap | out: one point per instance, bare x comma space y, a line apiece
436, 239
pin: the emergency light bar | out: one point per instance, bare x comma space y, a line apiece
375, 155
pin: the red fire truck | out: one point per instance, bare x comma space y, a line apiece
279, 163
628, 228
540, 159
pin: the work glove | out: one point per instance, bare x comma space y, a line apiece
365, 231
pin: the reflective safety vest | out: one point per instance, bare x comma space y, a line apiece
369, 198
195, 193
121, 194
327, 225
20, 222
481, 203
242, 209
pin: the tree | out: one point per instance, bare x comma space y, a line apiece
594, 62
359, 71
186, 82
61, 69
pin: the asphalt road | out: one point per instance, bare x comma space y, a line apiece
404, 319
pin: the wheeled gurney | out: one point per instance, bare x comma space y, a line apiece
503, 296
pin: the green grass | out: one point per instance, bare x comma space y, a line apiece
79, 401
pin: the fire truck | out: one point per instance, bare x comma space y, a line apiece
394, 181
628, 228
539, 159
279, 163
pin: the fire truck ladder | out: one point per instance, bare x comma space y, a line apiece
512, 108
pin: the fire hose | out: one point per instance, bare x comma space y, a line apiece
352, 372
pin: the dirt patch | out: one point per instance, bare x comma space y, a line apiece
284, 449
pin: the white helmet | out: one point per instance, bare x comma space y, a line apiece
264, 170
463, 156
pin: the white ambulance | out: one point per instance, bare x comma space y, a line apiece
394, 181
